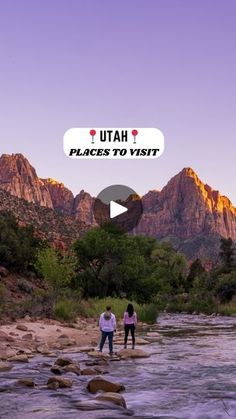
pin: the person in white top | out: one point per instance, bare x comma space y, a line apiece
107, 324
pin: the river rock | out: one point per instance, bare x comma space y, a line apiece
62, 362
44, 350
27, 336
66, 342
89, 371
97, 354
5, 366
55, 369
75, 368
62, 382
22, 327
64, 336
100, 362
133, 353
104, 405
26, 382
11, 352
54, 385
86, 349
101, 370
113, 398
19, 358
99, 383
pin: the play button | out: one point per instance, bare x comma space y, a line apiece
118, 205
116, 209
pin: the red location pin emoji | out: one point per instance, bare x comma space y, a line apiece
134, 133
92, 133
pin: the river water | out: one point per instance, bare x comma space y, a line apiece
190, 375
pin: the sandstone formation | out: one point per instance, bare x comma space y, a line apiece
62, 198
83, 208
19, 178
187, 207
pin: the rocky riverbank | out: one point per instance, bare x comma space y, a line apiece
187, 371
66, 352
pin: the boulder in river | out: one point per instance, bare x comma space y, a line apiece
105, 406
99, 383
5, 366
113, 398
97, 354
62, 362
27, 382
62, 382
19, 358
75, 368
133, 353
44, 350
56, 370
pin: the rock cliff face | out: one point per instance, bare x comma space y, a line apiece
62, 198
83, 208
186, 211
186, 207
19, 178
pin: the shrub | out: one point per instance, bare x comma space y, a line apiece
148, 313
225, 288
94, 307
65, 310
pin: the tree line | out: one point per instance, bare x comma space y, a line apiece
106, 262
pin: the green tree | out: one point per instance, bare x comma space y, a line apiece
115, 264
112, 263
170, 268
56, 269
18, 245
225, 287
227, 252
196, 269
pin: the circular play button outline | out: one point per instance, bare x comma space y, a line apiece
119, 205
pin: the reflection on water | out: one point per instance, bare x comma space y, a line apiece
191, 375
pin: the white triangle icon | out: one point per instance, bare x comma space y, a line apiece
116, 209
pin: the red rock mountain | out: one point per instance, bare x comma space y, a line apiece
187, 207
186, 211
19, 178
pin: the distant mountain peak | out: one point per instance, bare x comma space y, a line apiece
53, 182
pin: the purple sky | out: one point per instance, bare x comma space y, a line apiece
170, 64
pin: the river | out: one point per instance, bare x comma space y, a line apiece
190, 375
